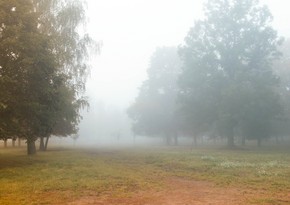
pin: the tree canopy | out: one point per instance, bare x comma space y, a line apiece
42, 68
227, 83
154, 110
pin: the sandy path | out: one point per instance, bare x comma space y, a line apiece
182, 192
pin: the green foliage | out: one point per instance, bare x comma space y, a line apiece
43, 67
63, 21
227, 84
281, 68
154, 110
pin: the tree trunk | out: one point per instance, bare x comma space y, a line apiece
46, 143
259, 142
175, 139
194, 142
277, 140
31, 149
41, 144
167, 138
243, 141
13, 142
5, 143
214, 140
19, 142
231, 143
282, 139
230, 138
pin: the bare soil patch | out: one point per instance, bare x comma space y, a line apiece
186, 192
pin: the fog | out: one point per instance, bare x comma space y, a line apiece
129, 32
144, 102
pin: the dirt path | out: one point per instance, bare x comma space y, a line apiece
182, 192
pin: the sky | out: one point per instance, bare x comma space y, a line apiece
130, 31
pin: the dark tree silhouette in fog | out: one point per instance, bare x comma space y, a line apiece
42, 69
227, 84
154, 110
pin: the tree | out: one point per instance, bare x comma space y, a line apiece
154, 110
62, 116
282, 69
75, 137
227, 83
42, 69
21, 46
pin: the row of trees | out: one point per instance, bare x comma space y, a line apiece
42, 69
221, 81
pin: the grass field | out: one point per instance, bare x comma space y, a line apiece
62, 176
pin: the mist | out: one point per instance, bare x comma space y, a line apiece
130, 32
144, 102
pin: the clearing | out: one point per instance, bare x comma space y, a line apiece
139, 176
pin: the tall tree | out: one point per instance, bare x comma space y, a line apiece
42, 68
154, 110
21, 45
62, 20
227, 83
282, 69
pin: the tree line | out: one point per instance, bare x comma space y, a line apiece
42, 69
229, 78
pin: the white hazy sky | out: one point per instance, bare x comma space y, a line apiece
132, 29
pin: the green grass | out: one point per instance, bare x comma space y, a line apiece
64, 175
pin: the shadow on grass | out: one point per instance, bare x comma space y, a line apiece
16, 158
17, 162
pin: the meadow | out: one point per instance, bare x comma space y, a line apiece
131, 175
